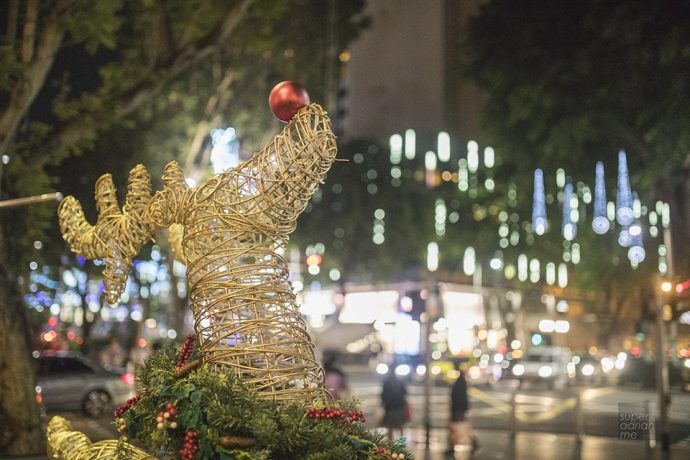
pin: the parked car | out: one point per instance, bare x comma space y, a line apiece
544, 364
70, 381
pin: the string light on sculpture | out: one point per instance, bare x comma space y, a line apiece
539, 222
600, 222
624, 203
251, 345
276, 354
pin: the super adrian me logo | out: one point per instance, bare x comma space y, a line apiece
634, 421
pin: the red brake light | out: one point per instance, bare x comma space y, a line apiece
128, 378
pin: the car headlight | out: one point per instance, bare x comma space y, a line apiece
402, 370
382, 369
607, 364
587, 369
474, 372
545, 371
518, 369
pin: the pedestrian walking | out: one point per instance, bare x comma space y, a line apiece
395, 407
460, 426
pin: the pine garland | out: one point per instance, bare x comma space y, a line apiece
179, 396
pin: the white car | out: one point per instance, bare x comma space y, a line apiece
545, 364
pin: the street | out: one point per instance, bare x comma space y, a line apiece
538, 409
545, 420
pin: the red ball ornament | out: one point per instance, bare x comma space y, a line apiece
286, 99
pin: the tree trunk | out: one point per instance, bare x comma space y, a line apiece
20, 429
25, 91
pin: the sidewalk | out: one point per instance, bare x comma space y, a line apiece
495, 444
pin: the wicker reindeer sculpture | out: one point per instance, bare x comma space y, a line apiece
235, 227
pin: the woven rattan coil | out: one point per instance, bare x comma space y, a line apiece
235, 228
66, 444
118, 235
111, 449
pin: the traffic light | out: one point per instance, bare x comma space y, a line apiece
683, 289
314, 263
676, 296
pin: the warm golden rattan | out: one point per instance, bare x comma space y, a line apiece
118, 235
66, 444
111, 450
235, 228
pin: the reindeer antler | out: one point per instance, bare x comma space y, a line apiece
118, 235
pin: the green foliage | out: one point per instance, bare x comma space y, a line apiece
212, 402
132, 83
568, 84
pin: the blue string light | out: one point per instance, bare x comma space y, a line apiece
600, 223
539, 222
624, 211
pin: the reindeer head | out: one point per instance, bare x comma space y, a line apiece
118, 234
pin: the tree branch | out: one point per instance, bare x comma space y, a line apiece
12, 18
35, 72
29, 32
210, 117
183, 60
